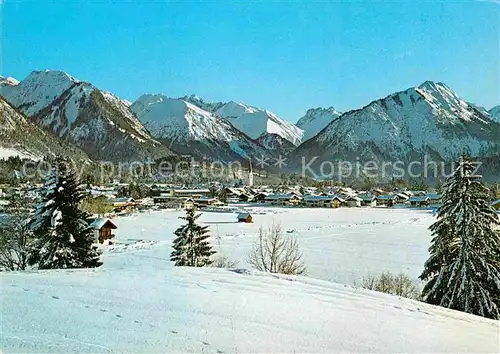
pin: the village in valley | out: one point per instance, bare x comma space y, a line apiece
115, 200
106, 202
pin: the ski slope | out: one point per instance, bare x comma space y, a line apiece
139, 302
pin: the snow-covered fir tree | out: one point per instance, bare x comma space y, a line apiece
62, 236
191, 246
463, 271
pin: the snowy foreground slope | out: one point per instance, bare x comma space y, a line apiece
162, 309
139, 302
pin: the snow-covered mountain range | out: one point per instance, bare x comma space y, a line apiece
252, 121
188, 129
428, 119
96, 121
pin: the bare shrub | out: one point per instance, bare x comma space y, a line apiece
400, 285
14, 238
277, 252
369, 282
221, 261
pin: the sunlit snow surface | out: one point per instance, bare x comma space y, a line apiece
139, 302
5, 153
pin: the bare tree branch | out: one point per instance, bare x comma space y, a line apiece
277, 252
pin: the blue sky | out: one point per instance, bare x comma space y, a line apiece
283, 56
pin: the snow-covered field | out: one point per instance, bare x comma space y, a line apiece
340, 245
139, 302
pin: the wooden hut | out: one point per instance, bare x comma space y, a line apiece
245, 217
103, 229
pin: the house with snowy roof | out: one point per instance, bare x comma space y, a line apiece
367, 199
122, 204
103, 229
401, 198
419, 201
323, 201
284, 199
203, 202
353, 201
245, 218
261, 197
190, 193
434, 198
386, 200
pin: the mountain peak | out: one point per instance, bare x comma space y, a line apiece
195, 97
314, 111
433, 86
200, 103
495, 113
50, 76
234, 109
39, 89
316, 119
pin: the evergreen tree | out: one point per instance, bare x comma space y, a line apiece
191, 247
62, 236
463, 271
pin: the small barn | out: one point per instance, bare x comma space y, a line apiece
245, 217
103, 229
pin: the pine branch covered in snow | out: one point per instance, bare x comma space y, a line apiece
463, 271
63, 238
191, 247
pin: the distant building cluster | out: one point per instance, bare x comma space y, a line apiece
120, 199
